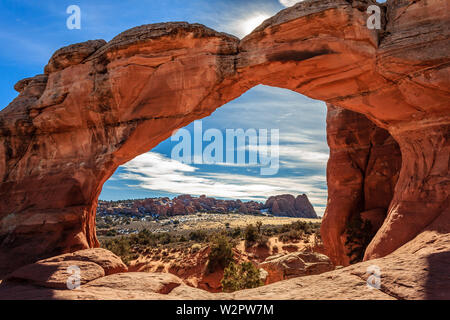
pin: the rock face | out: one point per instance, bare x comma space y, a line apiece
281, 267
362, 172
287, 205
100, 105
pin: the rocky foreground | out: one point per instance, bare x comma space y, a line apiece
418, 270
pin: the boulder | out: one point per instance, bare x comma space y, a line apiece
285, 266
162, 283
104, 258
56, 274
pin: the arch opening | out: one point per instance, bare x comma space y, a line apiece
364, 167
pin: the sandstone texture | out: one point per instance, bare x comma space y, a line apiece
108, 261
55, 272
281, 267
99, 105
418, 270
362, 172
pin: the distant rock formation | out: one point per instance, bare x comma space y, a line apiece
289, 206
186, 204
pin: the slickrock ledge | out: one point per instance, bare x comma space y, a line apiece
418, 270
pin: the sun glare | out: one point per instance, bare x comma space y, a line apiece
251, 23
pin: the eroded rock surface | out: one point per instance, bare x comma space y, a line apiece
100, 105
362, 172
418, 270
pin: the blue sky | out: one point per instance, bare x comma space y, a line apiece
30, 31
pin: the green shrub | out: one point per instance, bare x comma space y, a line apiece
235, 233
262, 241
120, 247
221, 253
239, 277
291, 236
198, 235
250, 235
258, 226
111, 233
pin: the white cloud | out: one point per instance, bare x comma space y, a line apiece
289, 3
153, 171
303, 152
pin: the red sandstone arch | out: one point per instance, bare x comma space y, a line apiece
101, 104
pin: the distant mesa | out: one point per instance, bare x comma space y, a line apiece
280, 205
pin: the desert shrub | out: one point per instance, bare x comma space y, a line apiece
239, 277
235, 233
198, 235
291, 236
221, 253
303, 226
262, 241
258, 226
111, 233
269, 232
250, 235
359, 234
120, 247
254, 235
165, 238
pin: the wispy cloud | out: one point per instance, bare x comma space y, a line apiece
154, 171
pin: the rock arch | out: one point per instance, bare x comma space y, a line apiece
100, 104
